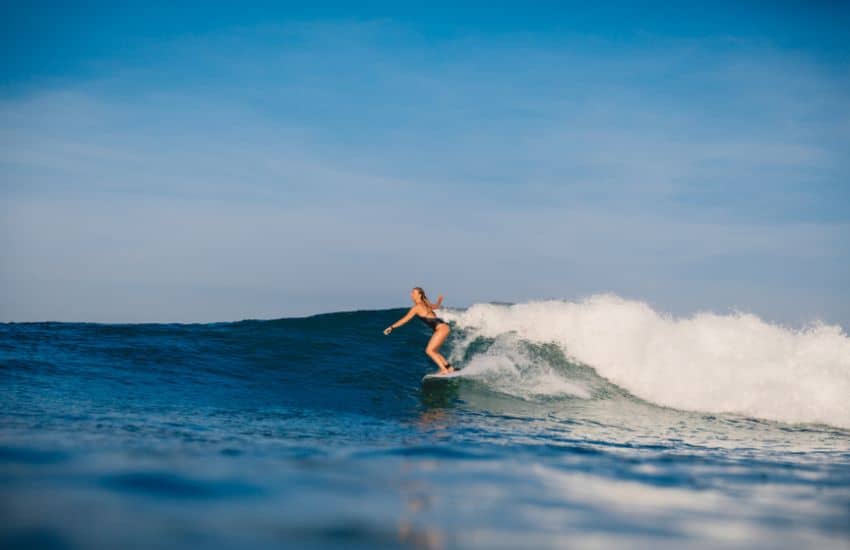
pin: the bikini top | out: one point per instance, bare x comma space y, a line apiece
431, 321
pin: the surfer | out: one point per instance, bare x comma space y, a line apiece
424, 309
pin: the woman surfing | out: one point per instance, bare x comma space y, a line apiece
424, 309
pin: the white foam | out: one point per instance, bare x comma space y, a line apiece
506, 368
715, 363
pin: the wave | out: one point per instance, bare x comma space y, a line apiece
510, 367
735, 363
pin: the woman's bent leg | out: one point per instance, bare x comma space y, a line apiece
434, 344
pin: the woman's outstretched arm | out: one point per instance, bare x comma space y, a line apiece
439, 301
401, 321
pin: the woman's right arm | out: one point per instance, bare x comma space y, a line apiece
401, 321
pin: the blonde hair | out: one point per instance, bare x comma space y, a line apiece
424, 298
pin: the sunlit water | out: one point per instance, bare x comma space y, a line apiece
318, 433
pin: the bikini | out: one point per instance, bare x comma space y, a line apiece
431, 321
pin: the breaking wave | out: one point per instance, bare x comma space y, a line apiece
735, 363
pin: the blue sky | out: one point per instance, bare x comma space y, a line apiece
172, 162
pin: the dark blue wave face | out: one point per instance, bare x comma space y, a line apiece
318, 432
338, 361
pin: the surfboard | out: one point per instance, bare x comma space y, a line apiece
431, 377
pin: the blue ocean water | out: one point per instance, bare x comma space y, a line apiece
318, 432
